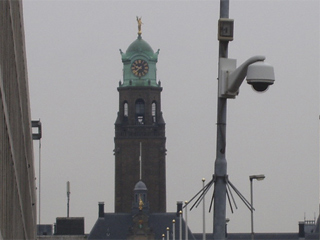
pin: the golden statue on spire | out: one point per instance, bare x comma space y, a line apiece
140, 203
139, 25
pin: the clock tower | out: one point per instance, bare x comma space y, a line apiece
140, 142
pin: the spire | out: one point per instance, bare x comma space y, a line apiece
140, 199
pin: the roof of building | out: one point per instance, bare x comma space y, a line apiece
140, 186
137, 48
119, 225
139, 45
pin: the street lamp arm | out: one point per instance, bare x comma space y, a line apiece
236, 78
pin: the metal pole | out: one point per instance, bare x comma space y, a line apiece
39, 182
68, 198
180, 225
168, 233
259, 177
173, 229
203, 214
186, 217
251, 196
220, 169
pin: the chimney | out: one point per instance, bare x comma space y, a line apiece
301, 230
101, 209
179, 207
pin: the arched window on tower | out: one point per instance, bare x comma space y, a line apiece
125, 110
154, 112
140, 112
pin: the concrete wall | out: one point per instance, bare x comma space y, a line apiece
17, 177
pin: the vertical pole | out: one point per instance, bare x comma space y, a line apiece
220, 170
203, 213
251, 196
186, 217
173, 229
68, 197
168, 233
39, 181
140, 161
180, 225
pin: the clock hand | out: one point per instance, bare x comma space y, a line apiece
136, 70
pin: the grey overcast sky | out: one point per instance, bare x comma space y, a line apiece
74, 68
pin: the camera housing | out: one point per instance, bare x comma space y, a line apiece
258, 73
260, 76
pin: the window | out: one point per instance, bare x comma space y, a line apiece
140, 112
154, 112
125, 109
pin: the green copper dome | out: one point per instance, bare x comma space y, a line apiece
139, 52
139, 45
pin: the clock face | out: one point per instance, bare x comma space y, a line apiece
139, 68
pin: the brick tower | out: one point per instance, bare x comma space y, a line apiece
140, 123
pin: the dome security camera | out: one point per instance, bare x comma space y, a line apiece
260, 75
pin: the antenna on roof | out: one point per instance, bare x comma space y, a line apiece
68, 196
140, 161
